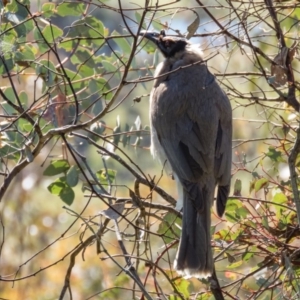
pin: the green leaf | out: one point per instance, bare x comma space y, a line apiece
110, 68
67, 45
226, 235
83, 56
242, 212
56, 167
280, 198
275, 155
73, 76
265, 222
255, 175
56, 187
24, 126
168, 227
86, 71
96, 86
18, 10
260, 184
233, 204
237, 187
8, 39
247, 255
6, 151
138, 18
232, 207
90, 29
40, 41
8, 64
29, 26
72, 176
231, 217
23, 97
182, 286
100, 86
60, 188
251, 224
51, 33
46, 70
272, 248
106, 177
15, 138
67, 195
122, 43
10, 95
25, 53
25, 3
70, 9
235, 265
48, 9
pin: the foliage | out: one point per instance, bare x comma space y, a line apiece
74, 131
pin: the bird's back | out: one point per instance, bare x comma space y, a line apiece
187, 95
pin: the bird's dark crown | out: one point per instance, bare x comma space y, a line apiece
168, 45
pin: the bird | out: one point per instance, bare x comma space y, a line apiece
191, 131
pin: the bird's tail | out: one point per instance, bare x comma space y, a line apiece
194, 255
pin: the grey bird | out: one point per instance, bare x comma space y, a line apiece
191, 129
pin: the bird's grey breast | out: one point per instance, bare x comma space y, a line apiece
180, 94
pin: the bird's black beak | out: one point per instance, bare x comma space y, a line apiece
152, 35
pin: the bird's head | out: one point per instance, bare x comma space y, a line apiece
168, 45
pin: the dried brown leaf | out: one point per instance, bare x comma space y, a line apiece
278, 68
192, 28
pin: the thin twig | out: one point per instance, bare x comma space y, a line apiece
294, 176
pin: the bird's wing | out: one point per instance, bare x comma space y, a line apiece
223, 154
197, 139
221, 135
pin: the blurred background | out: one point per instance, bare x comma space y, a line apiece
79, 63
